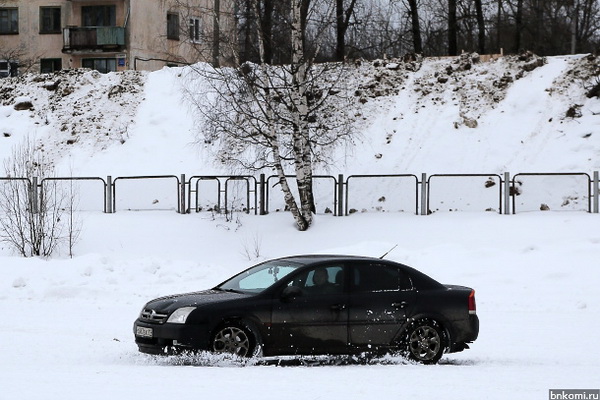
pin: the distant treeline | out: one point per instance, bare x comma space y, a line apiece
350, 29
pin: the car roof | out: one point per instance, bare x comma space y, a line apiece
312, 258
424, 280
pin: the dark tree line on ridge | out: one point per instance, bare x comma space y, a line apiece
335, 30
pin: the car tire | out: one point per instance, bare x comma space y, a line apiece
233, 339
425, 341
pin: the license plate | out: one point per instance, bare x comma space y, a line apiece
143, 332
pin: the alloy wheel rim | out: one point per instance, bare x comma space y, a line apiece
425, 343
232, 340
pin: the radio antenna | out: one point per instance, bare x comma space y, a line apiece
387, 252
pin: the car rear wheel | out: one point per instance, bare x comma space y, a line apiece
232, 339
425, 341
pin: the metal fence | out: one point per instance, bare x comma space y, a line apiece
406, 184
321, 183
92, 189
459, 196
225, 185
578, 191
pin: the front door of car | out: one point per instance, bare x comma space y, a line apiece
310, 315
380, 298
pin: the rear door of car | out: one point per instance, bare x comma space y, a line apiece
316, 320
380, 299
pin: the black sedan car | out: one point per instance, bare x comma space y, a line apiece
315, 305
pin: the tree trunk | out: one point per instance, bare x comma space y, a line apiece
415, 26
574, 22
518, 26
301, 144
302, 9
216, 33
266, 24
342, 22
260, 35
498, 25
273, 138
537, 28
288, 197
480, 27
452, 28
340, 48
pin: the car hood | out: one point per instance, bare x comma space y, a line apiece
169, 304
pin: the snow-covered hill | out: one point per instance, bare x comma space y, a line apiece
456, 115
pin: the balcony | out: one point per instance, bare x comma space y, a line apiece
93, 39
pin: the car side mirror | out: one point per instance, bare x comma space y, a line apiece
290, 293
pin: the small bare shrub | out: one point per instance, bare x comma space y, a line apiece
35, 223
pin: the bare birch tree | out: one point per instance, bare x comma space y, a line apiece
299, 112
276, 117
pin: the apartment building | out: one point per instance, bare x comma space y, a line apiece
114, 35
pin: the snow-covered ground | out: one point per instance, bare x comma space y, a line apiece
67, 324
66, 330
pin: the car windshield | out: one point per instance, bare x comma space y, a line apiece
260, 277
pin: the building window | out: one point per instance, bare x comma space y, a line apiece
99, 15
195, 24
49, 65
104, 65
9, 68
4, 69
9, 21
50, 20
173, 26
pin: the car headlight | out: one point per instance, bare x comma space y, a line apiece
180, 315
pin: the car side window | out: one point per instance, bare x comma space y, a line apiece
320, 280
380, 278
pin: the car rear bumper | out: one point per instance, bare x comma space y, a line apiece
465, 333
169, 338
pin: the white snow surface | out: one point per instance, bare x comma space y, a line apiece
66, 323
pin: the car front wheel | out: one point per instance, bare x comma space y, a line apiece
233, 339
425, 341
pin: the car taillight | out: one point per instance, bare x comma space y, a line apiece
472, 307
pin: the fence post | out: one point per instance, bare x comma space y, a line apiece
34, 195
424, 194
182, 209
507, 193
595, 192
108, 195
340, 195
261, 194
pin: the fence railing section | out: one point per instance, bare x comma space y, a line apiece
412, 188
74, 189
461, 197
552, 185
384, 192
140, 197
221, 198
317, 179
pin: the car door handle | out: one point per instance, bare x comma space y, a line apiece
402, 304
338, 307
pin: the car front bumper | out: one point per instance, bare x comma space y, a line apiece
168, 338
